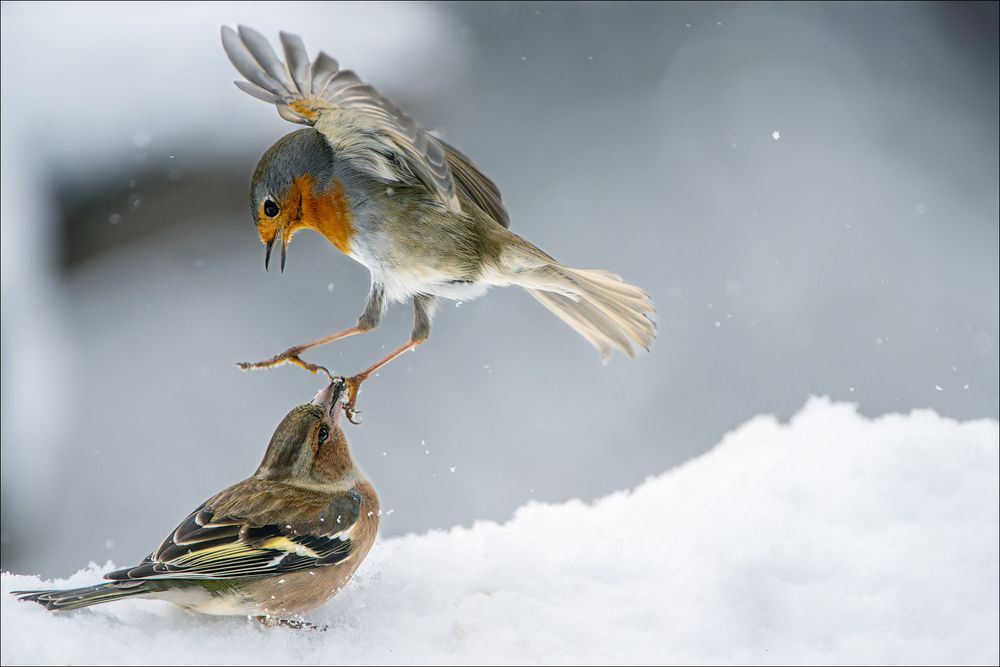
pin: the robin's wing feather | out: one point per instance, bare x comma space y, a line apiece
476, 185
360, 123
208, 546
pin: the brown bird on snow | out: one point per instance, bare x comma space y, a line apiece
273, 546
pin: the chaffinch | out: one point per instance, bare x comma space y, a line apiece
411, 208
273, 546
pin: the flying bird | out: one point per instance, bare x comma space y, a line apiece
273, 546
407, 205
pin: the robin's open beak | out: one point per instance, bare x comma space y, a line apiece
284, 237
329, 397
270, 245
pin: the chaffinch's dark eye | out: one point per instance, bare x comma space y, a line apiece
270, 208
324, 434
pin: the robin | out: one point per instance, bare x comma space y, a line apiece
273, 546
407, 205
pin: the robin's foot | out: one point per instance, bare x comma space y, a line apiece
353, 385
289, 356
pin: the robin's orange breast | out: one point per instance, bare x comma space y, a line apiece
326, 212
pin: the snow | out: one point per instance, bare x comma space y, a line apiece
834, 538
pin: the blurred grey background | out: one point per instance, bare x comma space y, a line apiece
809, 192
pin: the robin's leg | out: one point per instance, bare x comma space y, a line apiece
423, 313
368, 321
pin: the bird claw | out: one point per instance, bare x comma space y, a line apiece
351, 413
290, 356
324, 370
353, 386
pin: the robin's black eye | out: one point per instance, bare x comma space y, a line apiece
324, 433
270, 208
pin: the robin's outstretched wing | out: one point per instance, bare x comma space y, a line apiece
207, 546
361, 124
475, 185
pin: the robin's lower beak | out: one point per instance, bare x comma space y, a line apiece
284, 247
267, 252
329, 397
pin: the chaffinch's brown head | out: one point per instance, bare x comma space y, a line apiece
309, 446
294, 188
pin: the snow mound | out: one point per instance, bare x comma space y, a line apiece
831, 539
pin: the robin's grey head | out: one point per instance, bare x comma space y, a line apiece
290, 175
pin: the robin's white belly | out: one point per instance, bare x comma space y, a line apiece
459, 290
402, 284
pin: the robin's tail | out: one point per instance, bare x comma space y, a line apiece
76, 598
604, 309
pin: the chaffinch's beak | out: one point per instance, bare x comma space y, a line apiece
329, 397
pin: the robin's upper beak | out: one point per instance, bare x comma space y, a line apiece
329, 397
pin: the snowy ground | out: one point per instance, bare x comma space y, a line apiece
831, 539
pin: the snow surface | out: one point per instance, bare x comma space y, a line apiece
831, 539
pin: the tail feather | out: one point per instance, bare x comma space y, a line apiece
589, 322
77, 598
611, 282
599, 305
622, 309
565, 309
613, 285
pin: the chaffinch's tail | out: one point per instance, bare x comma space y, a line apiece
76, 598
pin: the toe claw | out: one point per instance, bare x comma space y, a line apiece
353, 387
350, 411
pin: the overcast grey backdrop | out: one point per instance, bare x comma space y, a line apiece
808, 191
